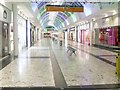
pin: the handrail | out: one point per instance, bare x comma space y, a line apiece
4, 57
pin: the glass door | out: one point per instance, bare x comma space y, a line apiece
5, 37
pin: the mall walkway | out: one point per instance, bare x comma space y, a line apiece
47, 64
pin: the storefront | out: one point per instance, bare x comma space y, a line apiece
72, 35
32, 37
108, 36
119, 36
84, 34
106, 32
5, 20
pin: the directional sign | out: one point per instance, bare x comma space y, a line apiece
58, 8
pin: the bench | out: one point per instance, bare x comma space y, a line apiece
73, 50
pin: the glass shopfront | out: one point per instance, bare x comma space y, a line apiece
84, 37
119, 36
32, 39
4, 39
108, 36
84, 34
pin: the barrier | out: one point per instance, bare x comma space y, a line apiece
118, 65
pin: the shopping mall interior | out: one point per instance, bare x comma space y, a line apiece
59, 45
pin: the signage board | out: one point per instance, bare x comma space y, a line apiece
64, 9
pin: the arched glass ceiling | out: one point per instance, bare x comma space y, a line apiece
61, 16
59, 22
64, 18
45, 15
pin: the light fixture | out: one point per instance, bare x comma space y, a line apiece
114, 12
106, 15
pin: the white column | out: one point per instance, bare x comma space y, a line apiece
15, 29
91, 29
0, 42
40, 34
66, 38
9, 38
36, 34
75, 32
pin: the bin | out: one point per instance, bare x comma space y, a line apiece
118, 65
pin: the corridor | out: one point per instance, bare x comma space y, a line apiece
35, 67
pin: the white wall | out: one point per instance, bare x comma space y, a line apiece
2, 9
6, 4
106, 22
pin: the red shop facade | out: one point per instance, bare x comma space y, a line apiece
109, 36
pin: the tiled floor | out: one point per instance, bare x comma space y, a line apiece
26, 71
84, 69
33, 68
95, 51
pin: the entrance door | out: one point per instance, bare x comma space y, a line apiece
30, 37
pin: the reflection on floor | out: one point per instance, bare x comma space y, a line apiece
34, 68
26, 71
84, 69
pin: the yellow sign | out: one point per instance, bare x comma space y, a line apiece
118, 65
63, 9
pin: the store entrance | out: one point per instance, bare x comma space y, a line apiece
4, 39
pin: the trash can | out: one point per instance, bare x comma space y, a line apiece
118, 65
60, 42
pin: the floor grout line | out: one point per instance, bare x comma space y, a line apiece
98, 57
58, 75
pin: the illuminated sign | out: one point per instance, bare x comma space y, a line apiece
62, 8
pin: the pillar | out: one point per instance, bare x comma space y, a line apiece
66, 38
75, 34
91, 29
15, 29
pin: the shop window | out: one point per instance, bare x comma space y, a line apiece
108, 36
4, 45
118, 36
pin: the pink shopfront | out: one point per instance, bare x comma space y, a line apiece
84, 37
84, 34
108, 36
